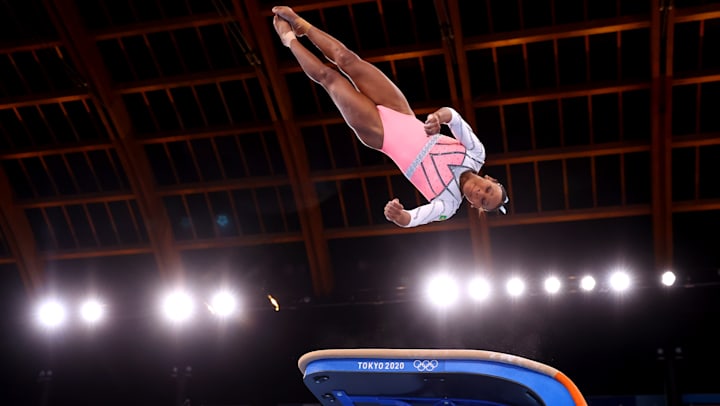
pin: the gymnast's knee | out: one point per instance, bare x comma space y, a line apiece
345, 58
326, 75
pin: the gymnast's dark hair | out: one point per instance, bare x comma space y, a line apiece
503, 201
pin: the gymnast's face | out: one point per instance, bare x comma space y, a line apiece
483, 192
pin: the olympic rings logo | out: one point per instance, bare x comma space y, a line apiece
425, 365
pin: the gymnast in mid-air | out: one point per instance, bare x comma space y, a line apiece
443, 169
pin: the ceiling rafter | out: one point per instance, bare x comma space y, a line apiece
275, 88
556, 32
56, 150
661, 130
555, 216
696, 206
192, 79
697, 13
86, 55
564, 92
28, 45
167, 24
189, 135
36, 99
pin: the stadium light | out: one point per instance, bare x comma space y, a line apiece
223, 304
515, 287
51, 314
668, 278
442, 290
552, 285
587, 283
619, 281
178, 306
92, 311
479, 288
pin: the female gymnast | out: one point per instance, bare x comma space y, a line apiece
443, 169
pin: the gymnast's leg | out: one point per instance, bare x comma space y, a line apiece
368, 79
359, 111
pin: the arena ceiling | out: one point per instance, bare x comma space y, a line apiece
144, 143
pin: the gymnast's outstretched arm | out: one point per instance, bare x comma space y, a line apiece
437, 210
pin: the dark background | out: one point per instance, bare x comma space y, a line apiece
147, 144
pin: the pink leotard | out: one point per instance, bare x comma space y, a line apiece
427, 161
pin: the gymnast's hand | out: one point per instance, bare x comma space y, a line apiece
394, 212
432, 124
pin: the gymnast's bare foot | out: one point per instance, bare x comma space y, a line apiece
283, 30
299, 25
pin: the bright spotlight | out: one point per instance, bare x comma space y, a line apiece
515, 287
443, 290
51, 314
587, 283
668, 278
552, 285
619, 281
223, 304
479, 289
92, 311
178, 306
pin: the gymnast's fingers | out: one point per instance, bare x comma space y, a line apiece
393, 209
431, 129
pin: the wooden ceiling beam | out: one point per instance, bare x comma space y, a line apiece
186, 80
661, 51
55, 150
696, 205
698, 13
561, 216
43, 98
697, 140
244, 241
97, 253
71, 200
28, 45
695, 79
547, 217
556, 32
564, 92
164, 25
208, 132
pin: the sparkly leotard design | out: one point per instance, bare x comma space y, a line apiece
432, 163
